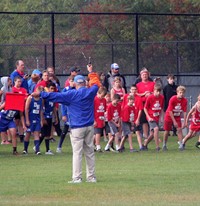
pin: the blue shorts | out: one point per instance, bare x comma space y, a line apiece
36, 127
6, 124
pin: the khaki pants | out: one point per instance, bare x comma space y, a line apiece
82, 142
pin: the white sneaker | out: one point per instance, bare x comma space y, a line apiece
92, 180
49, 152
75, 181
59, 150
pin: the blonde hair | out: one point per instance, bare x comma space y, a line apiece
181, 88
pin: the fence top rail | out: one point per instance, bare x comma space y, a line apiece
103, 43
105, 13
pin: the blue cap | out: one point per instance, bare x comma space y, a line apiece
79, 79
37, 71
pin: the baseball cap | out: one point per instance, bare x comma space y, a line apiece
79, 79
74, 69
114, 66
37, 71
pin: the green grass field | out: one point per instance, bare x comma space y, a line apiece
143, 178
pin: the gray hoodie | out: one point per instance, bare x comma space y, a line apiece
5, 88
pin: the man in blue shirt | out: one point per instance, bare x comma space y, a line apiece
80, 106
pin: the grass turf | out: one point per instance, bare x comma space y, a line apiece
143, 178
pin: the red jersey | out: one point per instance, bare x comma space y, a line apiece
99, 111
129, 114
120, 92
154, 105
195, 123
145, 86
41, 83
177, 106
137, 101
20, 90
113, 112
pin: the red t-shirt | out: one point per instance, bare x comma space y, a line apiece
120, 92
129, 114
113, 112
41, 83
137, 101
177, 106
154, 105
99, 111
20, 90
145, 86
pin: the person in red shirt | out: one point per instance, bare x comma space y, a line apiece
17, 86
73, 72
145, 88
130, 120
114, 121
137, 103
44, 82
99, 116
153, 109
194, 127
117, 88
177, 106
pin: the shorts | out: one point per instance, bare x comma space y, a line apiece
113, 129
153, 125
138, 128
98, 131
34, 127
5, 125
126, 129
143, 118
46, 129
17, 116
168, 125
194, 127
107, 128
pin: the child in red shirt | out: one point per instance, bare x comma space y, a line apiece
153, 109
99, 116
130, 119
194, 127
114, 121
177, 106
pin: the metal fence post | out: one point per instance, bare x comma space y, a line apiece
53, 39
136, 45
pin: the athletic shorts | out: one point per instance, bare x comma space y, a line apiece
36, 127
137, 128
113, 128
168, 125
46, 129
143, 118
107, 128
153, 125
126, 129
194, 127
5, 125
98, 131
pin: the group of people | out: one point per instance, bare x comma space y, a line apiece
92, 107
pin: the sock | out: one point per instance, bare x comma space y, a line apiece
26, 144
47, 144
117, 147
107, 147
37, 145
41, 140
62, 137
14, 149
98, 147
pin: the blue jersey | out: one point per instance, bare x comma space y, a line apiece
7, 119
8, 115
34, 110
48, 109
